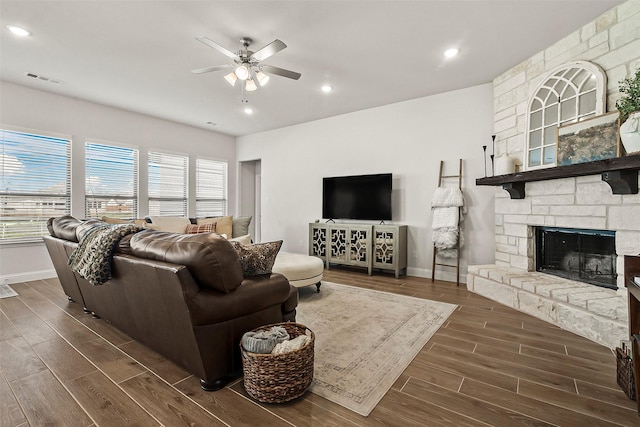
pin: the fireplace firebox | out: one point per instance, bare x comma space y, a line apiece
577, 254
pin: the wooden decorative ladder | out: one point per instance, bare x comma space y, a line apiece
435, 250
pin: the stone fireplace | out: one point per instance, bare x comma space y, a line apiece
587, 204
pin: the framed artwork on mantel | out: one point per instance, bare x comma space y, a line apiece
596, 138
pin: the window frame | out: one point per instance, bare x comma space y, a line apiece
136, 178
185, 200
600, 105
225, 197
30, 239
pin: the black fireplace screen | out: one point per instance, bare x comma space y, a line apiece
584, 255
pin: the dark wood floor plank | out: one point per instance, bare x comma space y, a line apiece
529, 406
47, 403
501, 362
107, 403
105, 330
301, 411
597, 356
164, 368
583, 360
466, 405
112, 361
11, 414
7, 328
230, 406
430, 374
63, 360
507, 336
14, 308
476, 338
71, 330
34, 330
556, 336
551, 369
467, 369
416, 412
582, 404
168, 405
614, 396
17, 359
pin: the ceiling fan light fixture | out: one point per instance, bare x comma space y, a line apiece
231, 78
262, 78
242, 72
326, 88
18, 31
450, 53
250, 85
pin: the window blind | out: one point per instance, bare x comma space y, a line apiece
111, 181
211, 187
167, 184
35, 184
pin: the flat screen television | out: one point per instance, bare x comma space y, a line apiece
364, 197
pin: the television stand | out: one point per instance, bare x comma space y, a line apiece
370, 246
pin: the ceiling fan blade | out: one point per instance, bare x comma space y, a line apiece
281, 72
209, 69
216, 46
270, 49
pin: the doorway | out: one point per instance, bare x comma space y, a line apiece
250, 196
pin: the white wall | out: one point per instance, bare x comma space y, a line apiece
407, 139
48, 112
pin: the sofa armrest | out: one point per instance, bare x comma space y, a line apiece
254, 294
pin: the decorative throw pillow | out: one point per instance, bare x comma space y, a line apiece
202, 228
257, 259
172, 224
224, 224
241, 226
245, 240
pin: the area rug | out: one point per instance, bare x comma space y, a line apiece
6, 291
364, 339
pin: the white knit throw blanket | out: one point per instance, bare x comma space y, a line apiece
445, 217
447, 197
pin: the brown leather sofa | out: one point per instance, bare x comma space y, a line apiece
181, 295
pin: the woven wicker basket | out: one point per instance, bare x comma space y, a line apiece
625, 374
278, 378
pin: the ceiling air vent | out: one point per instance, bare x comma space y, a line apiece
43, 78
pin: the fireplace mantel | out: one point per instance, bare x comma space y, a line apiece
621, 173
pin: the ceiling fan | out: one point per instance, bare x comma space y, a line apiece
247, 65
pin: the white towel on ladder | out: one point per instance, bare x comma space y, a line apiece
445, 217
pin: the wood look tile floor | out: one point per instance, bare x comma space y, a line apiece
487, 365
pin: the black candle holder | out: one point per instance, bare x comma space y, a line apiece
484, 149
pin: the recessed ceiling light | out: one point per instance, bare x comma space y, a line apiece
450, 53
18, 31
248, 110
210, 123
327, 88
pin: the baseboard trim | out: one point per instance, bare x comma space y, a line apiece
27, 277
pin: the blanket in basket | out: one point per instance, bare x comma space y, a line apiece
92, 258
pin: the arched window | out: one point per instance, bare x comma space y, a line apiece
570, 93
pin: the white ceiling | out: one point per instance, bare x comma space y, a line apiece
137, 55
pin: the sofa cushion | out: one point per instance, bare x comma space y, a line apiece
65, 226
241, 226
173, 224
209, 257
224, 224
257, 259
203, 228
